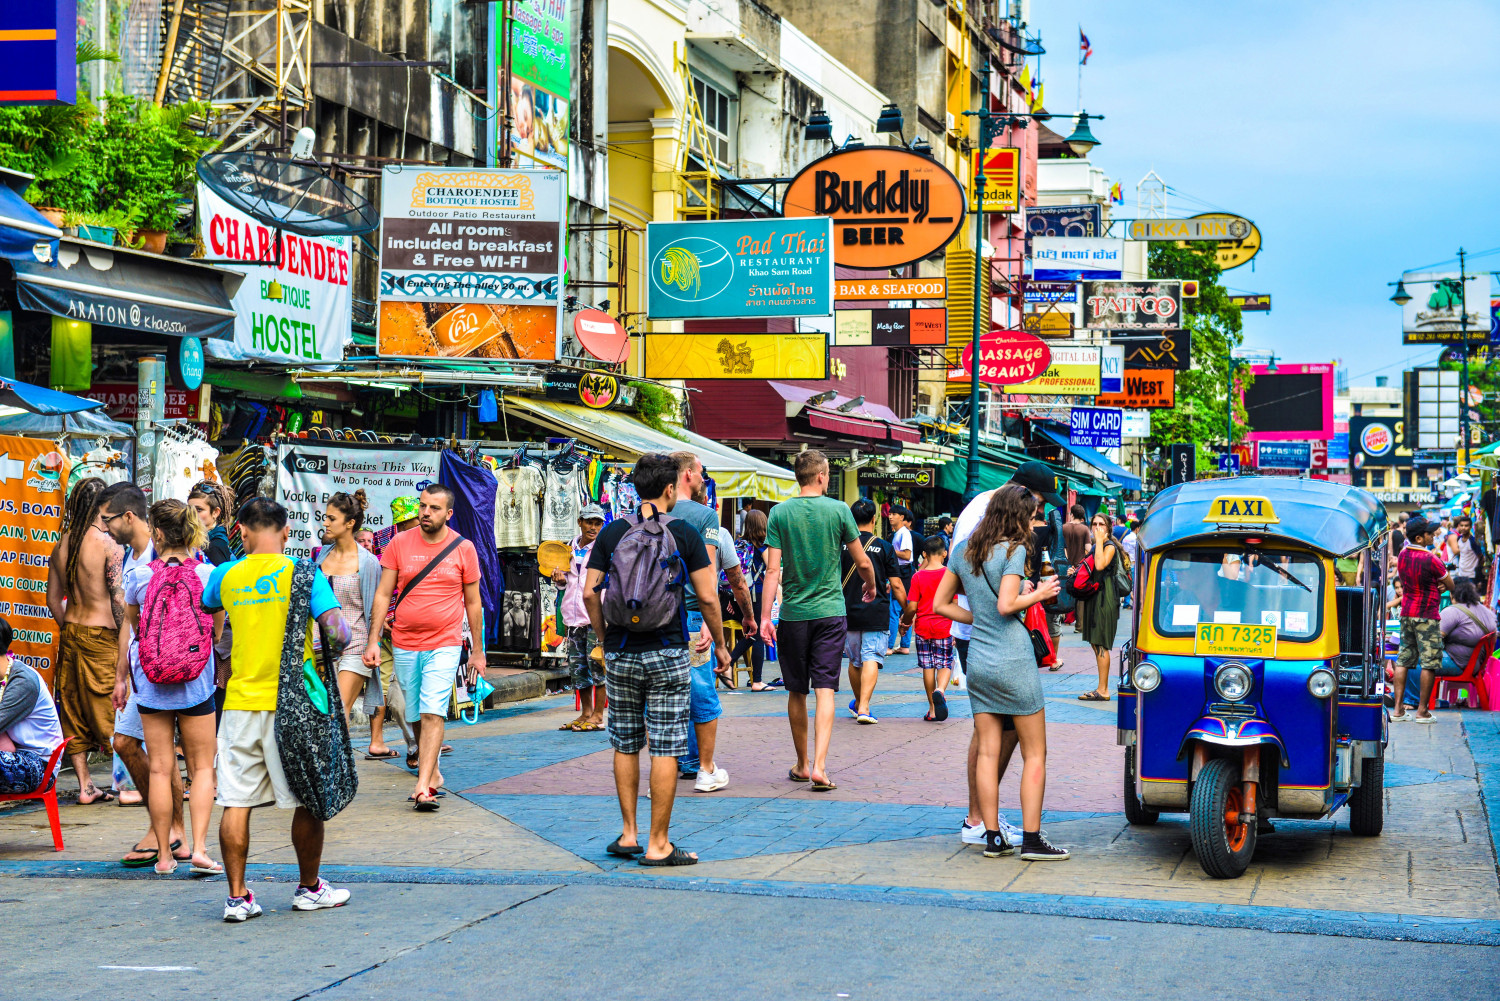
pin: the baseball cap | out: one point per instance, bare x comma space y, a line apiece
591, 512
404, 509
1419, 525
1035, 476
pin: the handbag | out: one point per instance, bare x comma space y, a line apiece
1084, 583
1041, 643
316, 756
478, 691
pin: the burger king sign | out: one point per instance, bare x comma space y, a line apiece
1376, 441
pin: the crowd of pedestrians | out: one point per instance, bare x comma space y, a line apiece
173, 648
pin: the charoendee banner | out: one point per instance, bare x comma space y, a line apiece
298, 313
32, 474
309, 472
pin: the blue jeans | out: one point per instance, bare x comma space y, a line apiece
896, 639
704, 707
1451, 669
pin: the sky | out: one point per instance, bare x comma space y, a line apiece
1361, 138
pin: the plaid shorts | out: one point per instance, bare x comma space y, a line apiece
587, 672
935, 655
1421, 644
649, 694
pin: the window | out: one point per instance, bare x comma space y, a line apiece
1244, 586
717, 109
1406, 479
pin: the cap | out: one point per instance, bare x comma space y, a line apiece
1419, 525
1035, 476
591, 512
404, 509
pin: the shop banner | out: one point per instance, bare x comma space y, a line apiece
1111, 369
915, 476
1376, 441
308, 472
1136, 424
297, 314
119, 399
1063, 220
1071, 259
1145, 389
890, 288
32, 474
471, 263
1002, 179
1283, 454
540, 78
890, 327
1153, 305
736, 356
1440, 304
1048, 292
1168, 349
738, 268
1096, 427
1074, 372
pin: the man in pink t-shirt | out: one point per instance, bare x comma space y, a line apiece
427, 635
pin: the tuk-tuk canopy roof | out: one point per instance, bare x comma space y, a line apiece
1332, 517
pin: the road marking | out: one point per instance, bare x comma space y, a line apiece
153, 969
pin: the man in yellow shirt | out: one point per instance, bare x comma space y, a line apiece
255, 595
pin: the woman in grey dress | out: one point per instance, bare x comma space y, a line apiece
990, 568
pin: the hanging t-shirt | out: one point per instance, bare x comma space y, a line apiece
517, 512
561, 504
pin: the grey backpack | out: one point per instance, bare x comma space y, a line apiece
643, 589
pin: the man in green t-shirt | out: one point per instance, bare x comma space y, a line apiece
810, 530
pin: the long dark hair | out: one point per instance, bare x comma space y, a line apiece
1465, 592
83, 508
1007, 519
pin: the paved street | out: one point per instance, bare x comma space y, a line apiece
865, 892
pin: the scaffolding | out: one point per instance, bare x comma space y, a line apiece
695, 185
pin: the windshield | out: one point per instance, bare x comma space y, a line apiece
1236, 585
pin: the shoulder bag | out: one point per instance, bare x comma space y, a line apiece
421, 574
313, 745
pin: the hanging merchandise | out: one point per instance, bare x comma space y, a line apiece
474, 489
108, 463
517, 516
183, 458
561, 503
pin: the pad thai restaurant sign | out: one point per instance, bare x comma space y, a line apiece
298, 313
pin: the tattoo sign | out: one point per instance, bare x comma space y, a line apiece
33, 474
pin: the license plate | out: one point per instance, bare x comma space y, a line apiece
1225, 639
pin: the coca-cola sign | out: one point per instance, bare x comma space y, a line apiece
1149, 305
1008, 357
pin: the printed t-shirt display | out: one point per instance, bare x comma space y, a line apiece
517, 513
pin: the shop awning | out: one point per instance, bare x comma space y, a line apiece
1113, 470
735, 473
41, 400
116, 287
862, 420
23, 228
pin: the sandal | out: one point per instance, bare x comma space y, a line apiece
677, 857
940, 706
1055, 667
624, 851
824, 786
428, 804
141, 863
101, 796
412, 762
588, 728
216, 869
929, 718
389, 753
1094, 696
797, 778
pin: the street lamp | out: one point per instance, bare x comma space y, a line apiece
1401, 297
1082, 140
992, 124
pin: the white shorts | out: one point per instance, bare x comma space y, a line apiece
426, 678
128, 720
249, 764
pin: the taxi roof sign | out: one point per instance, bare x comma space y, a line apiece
1233, 510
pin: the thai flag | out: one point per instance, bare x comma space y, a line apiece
1084, 48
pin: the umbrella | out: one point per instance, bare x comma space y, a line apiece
40, 400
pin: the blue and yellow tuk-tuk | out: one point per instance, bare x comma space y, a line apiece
1253, 686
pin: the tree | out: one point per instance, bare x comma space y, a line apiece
1215, 329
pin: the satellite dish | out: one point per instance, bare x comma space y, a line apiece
295, 197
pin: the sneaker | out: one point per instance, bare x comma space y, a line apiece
712, 781
1044, 851
241, 908
996, 845
316, 899
971, 834
1012, 833
866, 718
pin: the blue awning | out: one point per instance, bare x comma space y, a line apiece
23, 227
1114, 471
41, 400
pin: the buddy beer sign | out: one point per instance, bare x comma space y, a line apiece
739, 268
889, 207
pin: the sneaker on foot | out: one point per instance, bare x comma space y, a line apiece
971, 834
319, 897
866, 718
241, 908
1012, 833
1043, 850
996, 845
712, 781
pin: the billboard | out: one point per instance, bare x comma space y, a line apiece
1168, 349
1147, 305
736, 356
471, 263
1071, 259
296, 314
1214, 227
1002, 179
1440, 303
1096, 427
891, 327
308, 472
540, 79
1283, 455
890, 288
1145, 389
38, 52
728, 269
1063, 220
1074, 371
1293, 403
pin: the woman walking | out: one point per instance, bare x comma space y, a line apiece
354, 574
1100, 615
755, 536
990, 568
211, 502
172, 670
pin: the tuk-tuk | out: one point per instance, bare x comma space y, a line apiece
1253, 686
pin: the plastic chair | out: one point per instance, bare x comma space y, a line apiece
1473, 673
47, 793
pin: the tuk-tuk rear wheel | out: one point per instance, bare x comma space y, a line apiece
1136, 812
1222, 839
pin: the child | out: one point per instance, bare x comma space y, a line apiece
934, 644
1423, 578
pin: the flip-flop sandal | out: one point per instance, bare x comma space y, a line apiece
940, 706
105, 796
412, 762
795, 777
828, 786
382, 757
1055, 667
141, 863
203, 870
182, 858
570, 726
929, 718
589, 728
439, 793
678, 857
1093, 697
429, 805
625, 851
445, 749
1424, 719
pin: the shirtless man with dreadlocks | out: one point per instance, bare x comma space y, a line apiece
85, 595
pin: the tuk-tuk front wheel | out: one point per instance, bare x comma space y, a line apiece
1367, 802
1136, 812
1222, 838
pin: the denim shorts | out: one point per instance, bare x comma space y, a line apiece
863, 647
705, 706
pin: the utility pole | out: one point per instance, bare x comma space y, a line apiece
1463, 382
981, 282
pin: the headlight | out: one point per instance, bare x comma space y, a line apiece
1233, 682
1146, 676
1320, 683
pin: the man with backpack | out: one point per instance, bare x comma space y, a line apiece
865, 642
634, 596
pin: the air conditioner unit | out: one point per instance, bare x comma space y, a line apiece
950, 122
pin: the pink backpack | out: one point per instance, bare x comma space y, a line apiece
175, 635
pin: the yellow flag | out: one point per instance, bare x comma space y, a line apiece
1040, 95
1025, 80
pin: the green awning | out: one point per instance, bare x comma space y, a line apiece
997, 464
